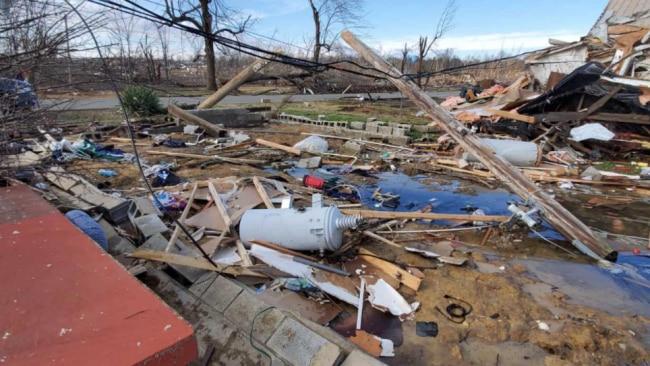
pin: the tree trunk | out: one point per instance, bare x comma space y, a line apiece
210, 59
317, 43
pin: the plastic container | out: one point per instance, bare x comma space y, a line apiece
107, 173
313, 182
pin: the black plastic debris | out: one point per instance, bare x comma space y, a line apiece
426, 329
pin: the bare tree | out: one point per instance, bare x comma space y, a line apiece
405, 54
35, 33
330, 18
122, 33
163, 38
211, 17
445, 24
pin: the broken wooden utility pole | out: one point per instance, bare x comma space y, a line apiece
186, 116
233, 84
554, 213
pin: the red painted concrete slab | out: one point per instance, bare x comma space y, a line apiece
63, 300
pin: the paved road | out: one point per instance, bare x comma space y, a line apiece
108, 103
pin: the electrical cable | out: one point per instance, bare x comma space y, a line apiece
552, 243
250, 335
132, 138
456, 312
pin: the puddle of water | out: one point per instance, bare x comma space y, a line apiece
620, 291
590, 285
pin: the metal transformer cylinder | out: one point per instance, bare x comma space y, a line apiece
309, 228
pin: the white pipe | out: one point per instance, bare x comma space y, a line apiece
360, 305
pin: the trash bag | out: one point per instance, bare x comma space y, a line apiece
164, 178
174, 143
312, 144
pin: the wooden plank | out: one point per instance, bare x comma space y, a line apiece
392, 270
262, 192
601, 102
207, 157
370, 214
554, 213
183, 260
511, 115
288, 149
219, 205
213, 245
186, 116
233, 84
186, 211
639, 119
477, 173
381, 239
246, 259
547, 178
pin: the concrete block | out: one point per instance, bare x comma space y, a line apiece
299, 345
385, 130
398, 140
357, 125
422, 128
216, 291
371, 119
372, 127
150, 225
310, 163
405, 126
232, 344
321, 117
357, 357
399, 131
393, 124
246, 307
352, 146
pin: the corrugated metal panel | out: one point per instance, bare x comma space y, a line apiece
628, 8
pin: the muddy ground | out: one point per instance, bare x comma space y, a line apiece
514, 283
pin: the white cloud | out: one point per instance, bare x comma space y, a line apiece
480, 43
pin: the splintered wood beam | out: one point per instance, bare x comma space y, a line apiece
370, 234
370, 214
183, 260
233, 84
288, 149
186, 116
511, 115
220, 207
554, 213
262, 192
186, 211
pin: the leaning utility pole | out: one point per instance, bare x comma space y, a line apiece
554, 213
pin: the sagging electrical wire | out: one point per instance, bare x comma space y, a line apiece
132, 138
146, 14
552, 243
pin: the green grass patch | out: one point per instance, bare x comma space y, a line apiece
620, 168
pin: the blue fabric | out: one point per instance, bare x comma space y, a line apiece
91, 228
